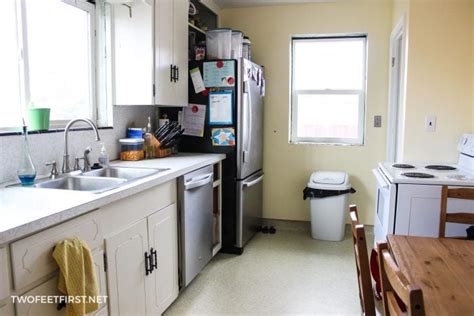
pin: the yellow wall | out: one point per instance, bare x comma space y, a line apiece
287, 167
439, 79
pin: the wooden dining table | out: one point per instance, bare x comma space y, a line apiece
442, 268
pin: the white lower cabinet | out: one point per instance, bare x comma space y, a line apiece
50, 288
7, 309
163, 238
142, 265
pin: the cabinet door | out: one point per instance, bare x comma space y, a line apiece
133, 53
126, 270
165, 88
180, 49
163, 237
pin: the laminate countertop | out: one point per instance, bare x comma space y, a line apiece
24, 211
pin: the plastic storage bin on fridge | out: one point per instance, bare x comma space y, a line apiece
218, 43
236, 44
329, 204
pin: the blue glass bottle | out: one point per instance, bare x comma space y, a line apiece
26, 170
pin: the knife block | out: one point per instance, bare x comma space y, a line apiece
159, 152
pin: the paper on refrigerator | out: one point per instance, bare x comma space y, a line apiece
194, 116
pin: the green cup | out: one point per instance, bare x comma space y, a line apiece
38, 119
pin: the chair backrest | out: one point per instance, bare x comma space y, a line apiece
395, 285
362, 263
460, 217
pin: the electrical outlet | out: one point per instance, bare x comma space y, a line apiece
378, 121
430, 123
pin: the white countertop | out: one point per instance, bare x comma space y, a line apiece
24, 211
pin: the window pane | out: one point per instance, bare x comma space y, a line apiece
328, 64
10, 105
328, 116
59, 58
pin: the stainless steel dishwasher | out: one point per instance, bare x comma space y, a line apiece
196, 202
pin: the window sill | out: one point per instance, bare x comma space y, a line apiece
50, 131
326, 144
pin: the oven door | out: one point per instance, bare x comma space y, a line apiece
384, 206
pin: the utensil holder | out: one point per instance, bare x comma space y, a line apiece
159, 152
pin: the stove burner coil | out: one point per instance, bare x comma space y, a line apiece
440, 167
403, 166
418, 175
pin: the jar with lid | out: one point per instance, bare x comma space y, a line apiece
131, 149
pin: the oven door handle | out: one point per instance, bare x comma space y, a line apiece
381, 182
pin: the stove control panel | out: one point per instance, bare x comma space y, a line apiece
466, 144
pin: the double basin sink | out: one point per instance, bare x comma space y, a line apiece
98, 181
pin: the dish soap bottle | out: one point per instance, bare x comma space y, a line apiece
26, 170
103, 156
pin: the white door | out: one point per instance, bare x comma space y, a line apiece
126, 270
133, 53
180, 50
396, 93
165, 87
163, 238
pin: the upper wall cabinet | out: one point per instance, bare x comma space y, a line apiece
171, 52
150, 43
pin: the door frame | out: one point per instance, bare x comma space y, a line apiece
397, 90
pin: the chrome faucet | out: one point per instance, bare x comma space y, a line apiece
66, 168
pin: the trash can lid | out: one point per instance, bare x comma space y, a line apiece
329, 180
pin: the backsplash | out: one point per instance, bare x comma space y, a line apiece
50, 146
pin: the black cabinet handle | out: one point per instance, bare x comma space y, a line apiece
171, 72
154, 259
148, 262
177, 73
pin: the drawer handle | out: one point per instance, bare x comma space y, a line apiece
61, 305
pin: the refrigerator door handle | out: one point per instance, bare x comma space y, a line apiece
253, 182
199, 182
248, 142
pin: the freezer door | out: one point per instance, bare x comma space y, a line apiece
249, 126
249, 208
196, 218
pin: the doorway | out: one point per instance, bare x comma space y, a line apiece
396, 102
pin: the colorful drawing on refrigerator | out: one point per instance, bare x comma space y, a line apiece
223, 136
219, 74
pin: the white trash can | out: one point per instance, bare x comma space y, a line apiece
329, 206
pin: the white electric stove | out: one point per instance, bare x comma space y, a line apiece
409, 194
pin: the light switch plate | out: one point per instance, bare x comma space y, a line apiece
378, 121
430, 123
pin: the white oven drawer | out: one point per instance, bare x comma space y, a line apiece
31, 256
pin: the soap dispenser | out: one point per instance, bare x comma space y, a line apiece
26, 170
103, 156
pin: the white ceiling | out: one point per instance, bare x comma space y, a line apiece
250, 3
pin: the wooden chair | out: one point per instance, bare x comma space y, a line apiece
394, 284
362, 263
460, 218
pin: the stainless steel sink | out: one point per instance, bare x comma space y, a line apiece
123, 172
80, 183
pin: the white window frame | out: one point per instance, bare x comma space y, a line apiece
24, 67
294, 93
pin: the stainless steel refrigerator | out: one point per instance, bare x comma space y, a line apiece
243, 166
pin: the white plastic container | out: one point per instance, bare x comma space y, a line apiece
236, 44
218, 43
328, 214
247, 48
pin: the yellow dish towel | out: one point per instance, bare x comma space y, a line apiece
76, 276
